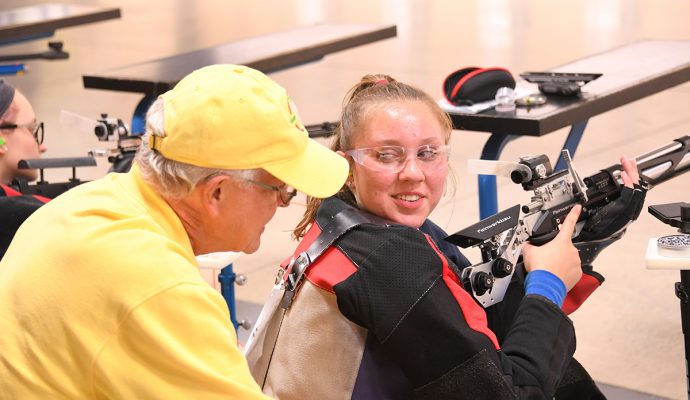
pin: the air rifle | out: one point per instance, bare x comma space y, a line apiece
45, 188
501, 237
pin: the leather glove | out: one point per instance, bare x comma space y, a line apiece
609, 222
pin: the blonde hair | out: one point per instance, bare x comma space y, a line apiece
360, 100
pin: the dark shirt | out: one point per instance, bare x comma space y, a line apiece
14, 209
448, 249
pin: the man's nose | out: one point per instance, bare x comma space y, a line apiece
281, 204
279, 201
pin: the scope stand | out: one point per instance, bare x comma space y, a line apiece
678, 215
682, 290
682, 293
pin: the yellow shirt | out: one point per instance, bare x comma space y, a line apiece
101, 297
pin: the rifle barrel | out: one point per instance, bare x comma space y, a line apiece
666, 162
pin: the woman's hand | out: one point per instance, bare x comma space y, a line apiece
629, 174
558, 256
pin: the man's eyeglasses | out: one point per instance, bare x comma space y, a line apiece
393, 158
286, 192
36, 129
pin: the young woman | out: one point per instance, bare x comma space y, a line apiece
21, 137
381, 313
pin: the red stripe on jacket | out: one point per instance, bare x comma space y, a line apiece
9, 192
474, 314
323, 276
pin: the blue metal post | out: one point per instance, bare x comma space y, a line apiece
571, 142
226, 278
139, 117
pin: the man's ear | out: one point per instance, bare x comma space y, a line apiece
214, 192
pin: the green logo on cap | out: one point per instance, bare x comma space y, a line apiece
294, 119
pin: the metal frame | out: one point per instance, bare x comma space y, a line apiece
488, 194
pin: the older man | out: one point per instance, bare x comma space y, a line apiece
100, 294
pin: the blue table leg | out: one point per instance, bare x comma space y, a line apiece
571, 142
139, 117
488, 203
227, 289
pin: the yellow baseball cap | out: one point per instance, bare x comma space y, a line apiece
235, 117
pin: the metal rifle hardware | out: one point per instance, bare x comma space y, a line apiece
501, 237
107, 129
45, 188
577, 181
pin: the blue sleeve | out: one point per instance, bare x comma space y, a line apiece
546, 284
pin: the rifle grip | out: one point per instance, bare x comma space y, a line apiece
543, 239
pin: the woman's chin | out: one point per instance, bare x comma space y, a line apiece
414, 221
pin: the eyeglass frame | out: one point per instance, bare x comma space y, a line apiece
358, 154
282, 191
33, 127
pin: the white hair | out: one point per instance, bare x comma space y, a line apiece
173, 178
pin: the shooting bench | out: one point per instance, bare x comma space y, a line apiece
267, 53
41, 21
630, 73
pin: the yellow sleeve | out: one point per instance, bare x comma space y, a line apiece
177, 344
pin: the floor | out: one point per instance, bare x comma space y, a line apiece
629, 334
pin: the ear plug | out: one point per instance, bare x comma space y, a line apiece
2, 142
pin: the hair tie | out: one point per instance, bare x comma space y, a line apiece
381, 82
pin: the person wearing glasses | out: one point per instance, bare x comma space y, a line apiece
109, 301
381, 312
21, 137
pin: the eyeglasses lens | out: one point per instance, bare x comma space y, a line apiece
393, 158
39, 133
